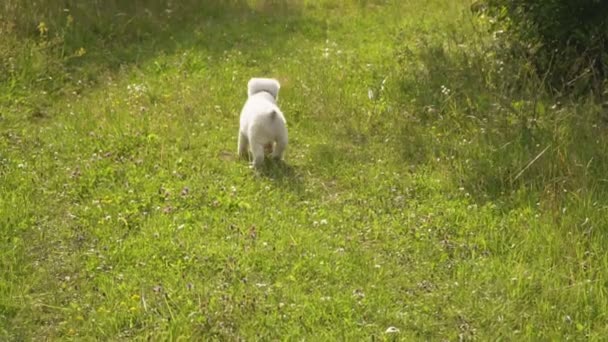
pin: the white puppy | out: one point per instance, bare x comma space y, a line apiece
263, 126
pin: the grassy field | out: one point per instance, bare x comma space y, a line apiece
431, 189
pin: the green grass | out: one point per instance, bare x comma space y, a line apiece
478, 212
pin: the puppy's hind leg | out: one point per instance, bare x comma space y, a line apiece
279, 147
243, 145
258, 154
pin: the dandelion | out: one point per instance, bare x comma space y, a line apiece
42, 29
81, 52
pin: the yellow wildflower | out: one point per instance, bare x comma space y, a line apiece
42, 28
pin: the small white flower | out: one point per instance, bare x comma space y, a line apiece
136, 89
445, 90
358, 293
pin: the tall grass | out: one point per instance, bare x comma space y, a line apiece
492, 124
493, 111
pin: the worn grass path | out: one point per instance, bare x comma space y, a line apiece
125, 214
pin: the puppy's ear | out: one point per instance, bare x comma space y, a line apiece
277, 87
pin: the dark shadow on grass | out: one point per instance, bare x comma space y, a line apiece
434, 80
215, 32
451, 94
91, 38
283, 174
492, 126
331, 157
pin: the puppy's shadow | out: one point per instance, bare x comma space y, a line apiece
282, 174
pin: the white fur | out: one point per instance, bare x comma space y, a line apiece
263, 126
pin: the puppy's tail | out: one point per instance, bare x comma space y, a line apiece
272, 113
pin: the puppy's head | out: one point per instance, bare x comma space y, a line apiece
269, 85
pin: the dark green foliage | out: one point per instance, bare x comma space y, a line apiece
566, 39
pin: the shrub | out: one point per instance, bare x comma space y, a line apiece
565, 39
